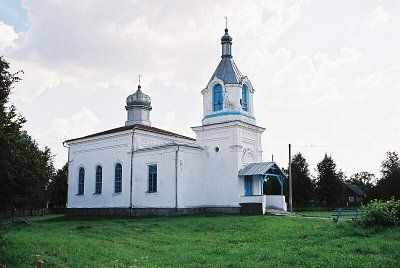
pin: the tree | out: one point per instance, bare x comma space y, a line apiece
10, 127
25, 170
329, 182
58, 188
389, 185
303, 186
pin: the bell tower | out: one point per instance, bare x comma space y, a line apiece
228, 95
228, 132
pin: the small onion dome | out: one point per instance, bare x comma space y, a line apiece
138, 98
226, 37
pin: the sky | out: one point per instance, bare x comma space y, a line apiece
326, 73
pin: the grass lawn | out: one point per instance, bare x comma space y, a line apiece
200, 241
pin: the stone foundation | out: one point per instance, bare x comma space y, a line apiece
251, 209
137, 212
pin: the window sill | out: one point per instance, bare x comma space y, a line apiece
118, 193
97, 193
151, 192
80, 194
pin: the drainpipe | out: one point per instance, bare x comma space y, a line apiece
131, 179
67, 171
176, 178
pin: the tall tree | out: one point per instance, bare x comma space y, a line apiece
329, 182
303, 186
389, 185
10, 127
25, 170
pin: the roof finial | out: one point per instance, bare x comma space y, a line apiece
226, 22
139, 86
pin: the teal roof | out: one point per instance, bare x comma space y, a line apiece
261, 168
228, 72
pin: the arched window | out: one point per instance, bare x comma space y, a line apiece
81, 181
118, 178
245, 105
218, 98
99, 179
152, 178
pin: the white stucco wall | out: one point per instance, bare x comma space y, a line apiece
192, 191
235, 141
105, 151
109, 149
164, 158
276, 201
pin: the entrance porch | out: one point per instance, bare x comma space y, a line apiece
253, 200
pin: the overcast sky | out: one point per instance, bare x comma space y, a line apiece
326, 73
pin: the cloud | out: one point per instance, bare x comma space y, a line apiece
379, 16
81, 123
35, 80
7, 36
78, 124
395, 118
97, 45
378, 83
298, 80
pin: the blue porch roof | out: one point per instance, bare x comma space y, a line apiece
261, 168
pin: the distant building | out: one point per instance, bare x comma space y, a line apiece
138, 169
352, 195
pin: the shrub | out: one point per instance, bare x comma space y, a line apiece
378, 212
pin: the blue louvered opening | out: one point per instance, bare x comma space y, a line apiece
218, 98
245, 106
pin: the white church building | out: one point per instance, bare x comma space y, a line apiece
138, 169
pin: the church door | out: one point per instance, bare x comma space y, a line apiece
248, 185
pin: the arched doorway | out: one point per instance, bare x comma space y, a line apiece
272, 186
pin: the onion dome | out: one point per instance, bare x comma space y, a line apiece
226, 37
138, 99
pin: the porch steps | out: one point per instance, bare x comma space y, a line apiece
279, 212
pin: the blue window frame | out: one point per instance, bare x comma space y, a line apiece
218, 98
118, 178
99, 179
152, 178
248, 185
81, 181
245, 106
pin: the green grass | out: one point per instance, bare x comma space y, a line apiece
234, 241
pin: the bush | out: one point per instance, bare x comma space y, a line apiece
378, 212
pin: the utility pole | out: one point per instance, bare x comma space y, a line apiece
290, 179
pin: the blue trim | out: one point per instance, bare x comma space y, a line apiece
81, 181
248, 186
218, 98
152, 172
118, 178
228, 113
244, 98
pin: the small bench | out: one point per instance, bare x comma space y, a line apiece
347, 214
